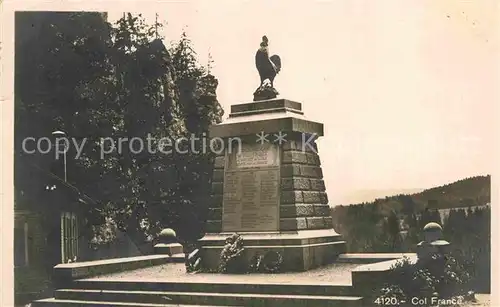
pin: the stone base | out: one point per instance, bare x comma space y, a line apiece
168, 249
301, 250
428, 249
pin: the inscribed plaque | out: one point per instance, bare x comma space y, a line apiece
251, 189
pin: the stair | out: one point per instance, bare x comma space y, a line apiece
53, 302
203, 298
95, 292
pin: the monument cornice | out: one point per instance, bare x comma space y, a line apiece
284, 124
269, 116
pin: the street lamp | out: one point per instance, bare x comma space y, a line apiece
65, 222
59, 133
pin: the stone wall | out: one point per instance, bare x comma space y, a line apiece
214, 221
304, 202
31, 280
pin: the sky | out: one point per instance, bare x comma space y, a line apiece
405, 89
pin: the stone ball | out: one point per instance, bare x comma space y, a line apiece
433, 226
167, 236
432, 232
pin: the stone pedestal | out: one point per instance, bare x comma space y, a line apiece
168, 249
268, 187
433, 242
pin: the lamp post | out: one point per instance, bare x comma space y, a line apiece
60, 133
64, 231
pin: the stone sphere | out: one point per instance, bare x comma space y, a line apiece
167, 236
432, 232
433, 226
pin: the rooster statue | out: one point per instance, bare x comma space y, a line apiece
268, 68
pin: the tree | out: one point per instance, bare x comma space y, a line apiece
408, 204
55, 54
94, 81
392, 229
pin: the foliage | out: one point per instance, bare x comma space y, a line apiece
439, 276
105, 233
456, 277
77, 73
372, 228
232, 256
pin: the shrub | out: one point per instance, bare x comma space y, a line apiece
437, 276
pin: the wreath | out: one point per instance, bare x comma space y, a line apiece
271, 262
231, 257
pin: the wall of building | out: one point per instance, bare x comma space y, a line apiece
31, 278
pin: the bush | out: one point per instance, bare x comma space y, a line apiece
439, 276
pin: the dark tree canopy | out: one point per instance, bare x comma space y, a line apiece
78, 73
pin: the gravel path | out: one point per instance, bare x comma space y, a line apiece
338, 274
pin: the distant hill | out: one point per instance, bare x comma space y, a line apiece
473, 191
368, 195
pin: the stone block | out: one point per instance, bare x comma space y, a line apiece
311, 197
217, 187
315, 222
317, 184
220, 162
216, 201
299, 210
328, 220
301, 184
322, 210
323, 198
294, 157
311, 171
247, 109
286, 184
297, 145
304, 210
290, 170
312, 159
291, 197
293, 224
287, 211
290, 145
218, 175
215, 214
296, 183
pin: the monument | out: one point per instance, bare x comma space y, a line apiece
268, 199
268, 183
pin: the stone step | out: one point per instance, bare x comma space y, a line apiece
217, 287
53, 302
204, 298
366, 258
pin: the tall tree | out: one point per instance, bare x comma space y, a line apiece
95, 80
